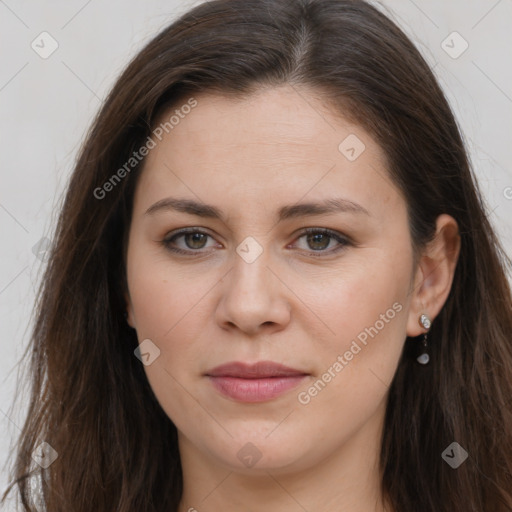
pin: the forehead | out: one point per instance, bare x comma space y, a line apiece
275, 141
277, 121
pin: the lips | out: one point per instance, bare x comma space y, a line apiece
256, 382
259, 370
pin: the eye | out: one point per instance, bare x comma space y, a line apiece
193, 238
320, 239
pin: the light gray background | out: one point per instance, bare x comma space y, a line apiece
48, 103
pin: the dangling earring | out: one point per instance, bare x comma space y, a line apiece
425, 322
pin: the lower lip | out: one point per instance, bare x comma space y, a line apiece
255, 390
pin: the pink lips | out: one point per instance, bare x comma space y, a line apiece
254, 382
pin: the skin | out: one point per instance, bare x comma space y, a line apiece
249, 157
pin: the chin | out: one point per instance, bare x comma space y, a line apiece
251, 454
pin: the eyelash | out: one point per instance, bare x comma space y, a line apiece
342, 240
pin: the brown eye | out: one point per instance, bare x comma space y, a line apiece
321, 242
187, 241
195, 240
318, 241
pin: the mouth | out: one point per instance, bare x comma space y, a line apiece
259, 382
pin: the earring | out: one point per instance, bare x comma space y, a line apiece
425, 322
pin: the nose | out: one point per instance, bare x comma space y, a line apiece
254, 299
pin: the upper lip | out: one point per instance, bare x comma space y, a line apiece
259, 370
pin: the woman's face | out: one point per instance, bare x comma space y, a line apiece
246, 179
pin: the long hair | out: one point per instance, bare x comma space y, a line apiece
90, 399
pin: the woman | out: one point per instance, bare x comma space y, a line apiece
273, 283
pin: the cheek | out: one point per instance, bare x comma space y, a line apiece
167, 310
163, 298
365, 308
357, 364
358, 297
163, 306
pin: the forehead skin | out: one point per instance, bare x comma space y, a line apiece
251, 150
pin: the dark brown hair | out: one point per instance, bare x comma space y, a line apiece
91, 401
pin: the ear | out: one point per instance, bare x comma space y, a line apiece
434, 274
130, 317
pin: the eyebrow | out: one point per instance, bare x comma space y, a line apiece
328, 206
